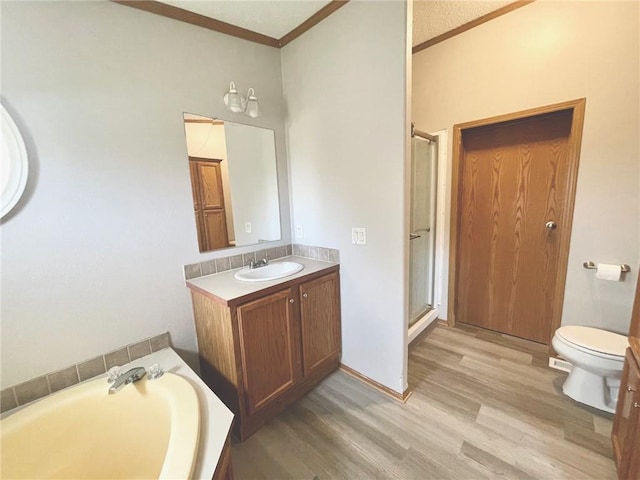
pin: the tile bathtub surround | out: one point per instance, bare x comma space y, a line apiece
218, 265
32, 390
139, 350
159, 342
8, 400
36, 388
63, 378
116, 358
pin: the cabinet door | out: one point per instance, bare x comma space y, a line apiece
625, 425
320, 321
268, 348
195, 184
215, 229
211, 194
202, 239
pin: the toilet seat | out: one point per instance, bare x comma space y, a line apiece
594, 341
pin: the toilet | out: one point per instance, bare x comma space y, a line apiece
597, 358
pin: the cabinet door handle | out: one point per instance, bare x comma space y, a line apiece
291, 300
305, 295
630, 389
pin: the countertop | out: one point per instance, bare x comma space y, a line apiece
215, 417
226, 288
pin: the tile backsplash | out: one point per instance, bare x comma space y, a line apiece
316, 253
39, 387
219, 265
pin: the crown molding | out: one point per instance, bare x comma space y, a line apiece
469, 25
209, 23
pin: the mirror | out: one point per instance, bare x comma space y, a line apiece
234, 182
14, 165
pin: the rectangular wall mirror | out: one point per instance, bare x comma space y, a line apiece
234, 182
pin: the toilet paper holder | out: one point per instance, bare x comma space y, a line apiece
592, 266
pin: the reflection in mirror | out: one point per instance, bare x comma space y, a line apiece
234, 182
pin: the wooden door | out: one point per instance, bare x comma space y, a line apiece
320, 321
269, 348
514, 209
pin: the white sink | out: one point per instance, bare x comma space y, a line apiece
273, 271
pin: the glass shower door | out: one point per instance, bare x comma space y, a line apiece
422, 225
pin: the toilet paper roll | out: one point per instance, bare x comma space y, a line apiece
606, 271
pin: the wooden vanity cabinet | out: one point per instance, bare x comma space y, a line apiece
320, 322
268, 330
262, 352
625, 435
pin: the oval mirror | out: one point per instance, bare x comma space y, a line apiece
14, 165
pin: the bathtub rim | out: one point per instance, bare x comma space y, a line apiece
216, 419
179, 393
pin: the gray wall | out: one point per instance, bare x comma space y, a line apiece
344, 87
545, 53
92, 256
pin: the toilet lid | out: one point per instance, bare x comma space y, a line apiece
594, 339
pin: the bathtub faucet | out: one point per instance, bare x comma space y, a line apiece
126, 378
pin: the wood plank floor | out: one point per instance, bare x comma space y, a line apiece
484, 406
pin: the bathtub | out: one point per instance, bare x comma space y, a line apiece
149, 429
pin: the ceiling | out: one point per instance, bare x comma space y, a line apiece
276, 18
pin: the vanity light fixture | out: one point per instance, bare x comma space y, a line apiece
252, 104
236, 102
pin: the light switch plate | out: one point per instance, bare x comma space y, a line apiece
247, 227
359, 236
299, 231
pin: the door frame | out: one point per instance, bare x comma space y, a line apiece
575, 141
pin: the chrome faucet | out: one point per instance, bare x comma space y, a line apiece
260, 263
126, 378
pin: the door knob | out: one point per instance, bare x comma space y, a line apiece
551, 225
305, 295
413, 236
291, 300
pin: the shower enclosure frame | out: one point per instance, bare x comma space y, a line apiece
439, 301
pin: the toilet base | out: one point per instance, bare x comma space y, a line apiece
591, 389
